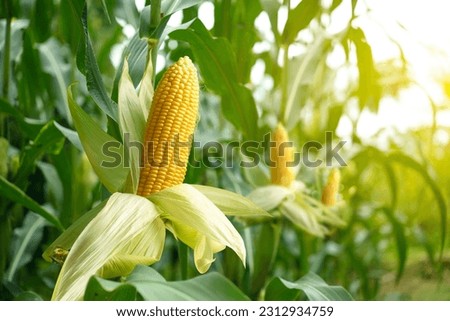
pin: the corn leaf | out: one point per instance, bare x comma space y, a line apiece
29, 127
132, 120
15, 194
311, 284
94, 80
146, 248
299, 18
422, 171
401, 241
265, 242
136, 56
307, 220
231, 203
368, 89
185, 205
25, 242
66, 239
270, 197
108, 234
4, 146
152, 286
53, 63
48, 140
104, 290
71, 135
94, 141
167, 9
218, 67
257, 175
146, 89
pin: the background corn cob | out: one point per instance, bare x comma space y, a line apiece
281, 155
331, 189
172, 118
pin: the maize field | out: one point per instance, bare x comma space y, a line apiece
288, 150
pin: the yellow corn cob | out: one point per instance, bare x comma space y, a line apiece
331, 189
281, 173
172, 118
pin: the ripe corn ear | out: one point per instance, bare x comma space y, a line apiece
331, 189
282, 158
172, 119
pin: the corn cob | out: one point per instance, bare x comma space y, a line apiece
282, 157
173, 117
331, 189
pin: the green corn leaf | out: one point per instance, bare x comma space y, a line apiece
311, 284
151, 286
435, 189
52, 56
15, 194
199, 217
104, 290
136, 55
132, 120
30, 127
368, 89
49, 140
112, 231
265, 243
94, 80
231, 203
401, 241
71, 135
303, 216
146, 89
167, 9
299, 18
110, 169
4, 146
66, 239
25, 242
218, 67
270, 197
257, 175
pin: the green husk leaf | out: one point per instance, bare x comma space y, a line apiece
270, 197
66, 239
132, 122
108, 234
305, 219
146, 248
185, 205
231, 203
146, 89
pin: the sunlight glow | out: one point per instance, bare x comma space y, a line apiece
206, 14
427, 50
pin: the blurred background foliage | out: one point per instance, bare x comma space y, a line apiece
309, 64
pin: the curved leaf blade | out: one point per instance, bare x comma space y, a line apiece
413, 164
153, 287
218, 67
311, 284
94, 140
94, 80
15, 194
